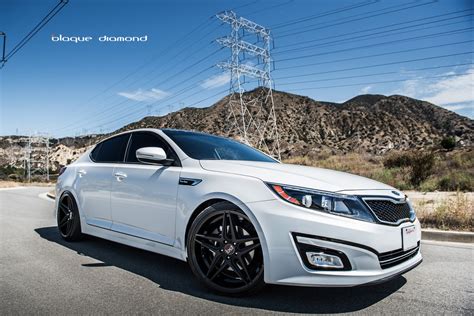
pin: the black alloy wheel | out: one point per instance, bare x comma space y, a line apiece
224, 250
69, 224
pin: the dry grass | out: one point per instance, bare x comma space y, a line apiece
448, 171
454, 212
12, 184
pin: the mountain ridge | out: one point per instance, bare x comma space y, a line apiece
374, 124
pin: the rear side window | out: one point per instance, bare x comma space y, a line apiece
111, 150
144, 139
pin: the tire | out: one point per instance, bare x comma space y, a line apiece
230, 260
68, 220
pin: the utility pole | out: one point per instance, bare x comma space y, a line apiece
4, 36
253, 115
37, 157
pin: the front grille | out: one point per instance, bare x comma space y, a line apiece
388, 211
392, 258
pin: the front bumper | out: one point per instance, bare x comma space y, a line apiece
366, 246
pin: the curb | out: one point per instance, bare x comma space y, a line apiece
51, 195
451, 236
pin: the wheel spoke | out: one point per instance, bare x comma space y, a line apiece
63, 208
208, 245
224, 225
236, 269
247, 239
249, 248
244, 267
211, 238
63, 221
231, 227
213, 264
218, 271
68, 226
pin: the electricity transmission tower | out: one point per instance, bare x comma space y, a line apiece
253, 114
37, 157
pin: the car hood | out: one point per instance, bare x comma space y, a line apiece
301, 176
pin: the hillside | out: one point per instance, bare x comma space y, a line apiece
373, 124
367, 123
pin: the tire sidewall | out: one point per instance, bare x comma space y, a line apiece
75, 232
254, 286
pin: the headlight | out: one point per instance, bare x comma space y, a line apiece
338, 204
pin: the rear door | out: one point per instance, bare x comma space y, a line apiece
94, 180
144, 196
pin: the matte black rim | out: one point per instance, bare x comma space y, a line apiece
227, 250
66, 215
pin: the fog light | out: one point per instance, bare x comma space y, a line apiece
323, 260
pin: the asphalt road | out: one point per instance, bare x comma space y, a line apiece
41, 274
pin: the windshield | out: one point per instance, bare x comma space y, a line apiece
208, 147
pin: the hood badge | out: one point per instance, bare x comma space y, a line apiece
396, 193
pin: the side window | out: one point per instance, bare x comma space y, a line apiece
95, 151
141, 139
111, 150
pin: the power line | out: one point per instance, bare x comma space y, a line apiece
165, 50
372, 29
374, 74
142, 109
156, 84
374, 45
377, 65
371, 36
384, 54
319, 15
35, 30
114, 106
379, 82
299, 31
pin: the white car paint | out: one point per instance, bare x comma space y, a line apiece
148, 209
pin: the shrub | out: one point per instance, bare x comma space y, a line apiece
448, 143
421, 164
456, 181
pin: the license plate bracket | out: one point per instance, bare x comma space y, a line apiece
409, 239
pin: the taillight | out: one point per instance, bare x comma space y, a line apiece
61, 171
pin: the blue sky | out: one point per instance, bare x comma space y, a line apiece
327, 50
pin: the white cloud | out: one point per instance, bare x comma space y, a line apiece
216, 81
453, 90
457, 107
145, 95
365, 90
453, 93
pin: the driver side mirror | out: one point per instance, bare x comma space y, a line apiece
153, 155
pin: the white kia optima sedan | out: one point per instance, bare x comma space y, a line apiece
239, 217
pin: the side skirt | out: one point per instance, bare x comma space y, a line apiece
136, 242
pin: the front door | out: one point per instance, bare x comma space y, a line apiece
143, 198
94, 180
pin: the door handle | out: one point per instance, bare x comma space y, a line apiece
120, 176
81, 172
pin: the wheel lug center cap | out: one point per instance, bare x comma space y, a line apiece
229, 249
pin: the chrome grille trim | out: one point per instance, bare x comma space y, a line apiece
394, 201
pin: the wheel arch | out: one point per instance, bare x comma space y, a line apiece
242, 206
